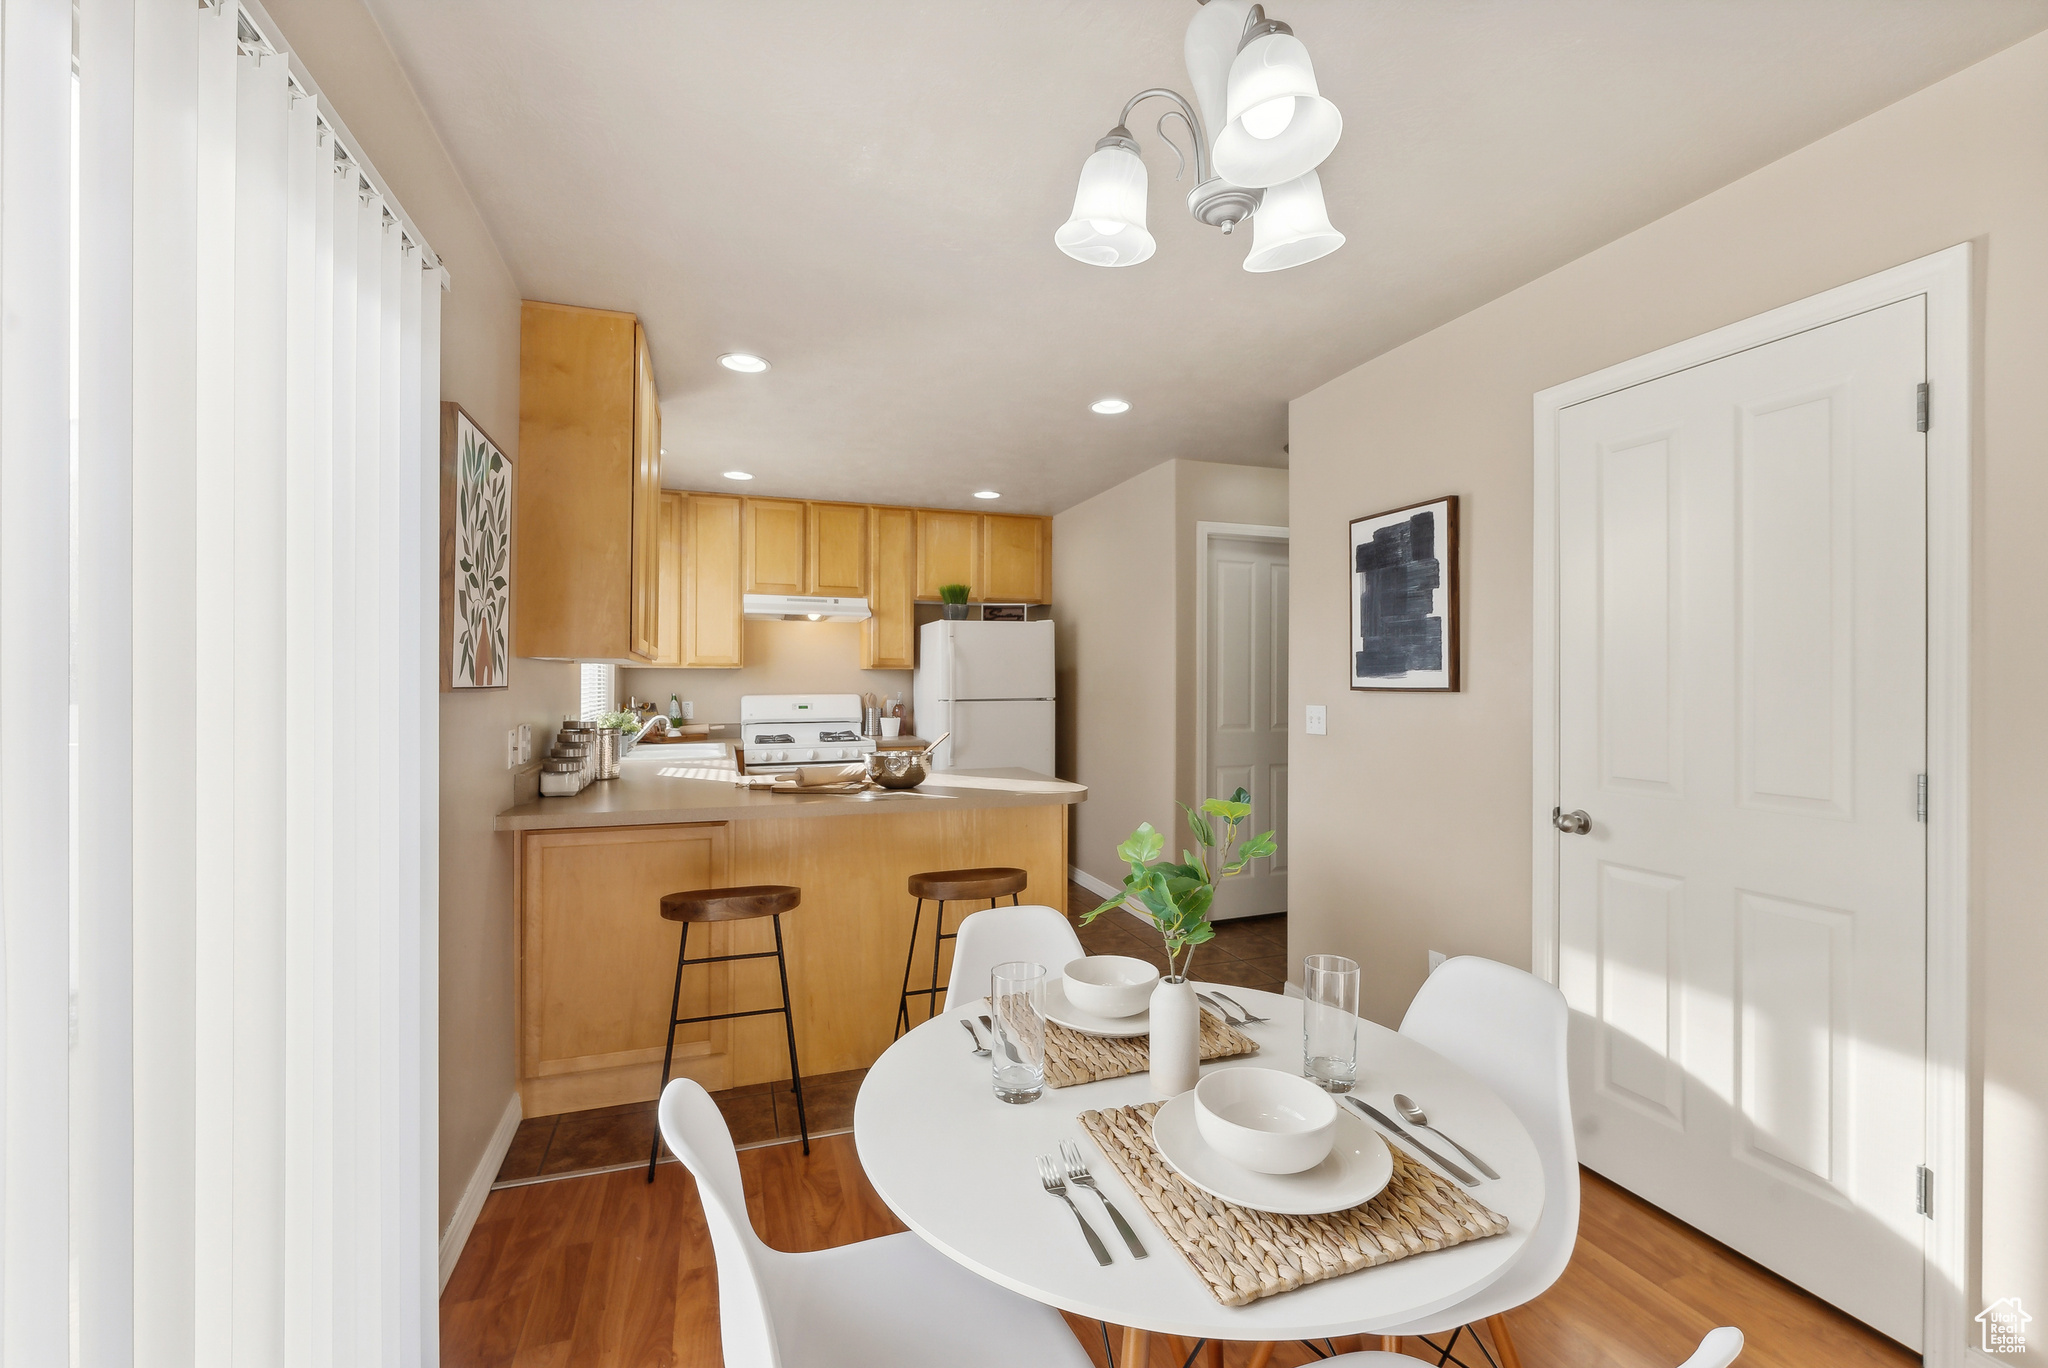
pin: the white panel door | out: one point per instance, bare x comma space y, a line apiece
1246, 700
1742, 684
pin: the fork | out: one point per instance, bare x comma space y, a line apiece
1077, 1173
1049, 1174
1248, 1016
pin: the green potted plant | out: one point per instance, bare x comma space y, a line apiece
1177, 897
954, 599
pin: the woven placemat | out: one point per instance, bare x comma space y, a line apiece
1244, 1255
1072, 1057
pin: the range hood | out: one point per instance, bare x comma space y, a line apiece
804, 608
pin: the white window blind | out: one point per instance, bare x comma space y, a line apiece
218, 1092
600, 687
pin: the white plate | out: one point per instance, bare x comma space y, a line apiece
1358, 1166
1057, 1008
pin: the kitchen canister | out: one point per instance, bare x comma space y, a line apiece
561, 778
608, 753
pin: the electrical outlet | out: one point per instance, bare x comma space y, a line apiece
512, 748
1436, 957
1318, 720
689, 711
525, 743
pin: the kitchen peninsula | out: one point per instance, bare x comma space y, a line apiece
596, 962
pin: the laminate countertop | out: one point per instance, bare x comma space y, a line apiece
653, 789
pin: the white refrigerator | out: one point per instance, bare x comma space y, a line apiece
991, 685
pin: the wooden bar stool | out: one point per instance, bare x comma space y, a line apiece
731, 904
944, 886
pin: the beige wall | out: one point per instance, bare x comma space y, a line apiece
347, 55
1446, 864
782, 657
1123, 590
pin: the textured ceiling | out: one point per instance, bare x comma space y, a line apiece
866, 195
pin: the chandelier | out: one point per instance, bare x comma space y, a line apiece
1253, 80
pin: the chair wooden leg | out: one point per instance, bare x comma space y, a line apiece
1212, 1354
1137, 1348
1390, 1344
1262, 1355
1503, 1342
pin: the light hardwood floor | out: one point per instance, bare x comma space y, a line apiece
606, 1272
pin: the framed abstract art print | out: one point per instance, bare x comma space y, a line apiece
476, 556
1404, 598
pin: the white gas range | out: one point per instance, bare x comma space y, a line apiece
779, 732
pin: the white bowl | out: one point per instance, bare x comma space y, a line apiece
1110, 985
1271, 1122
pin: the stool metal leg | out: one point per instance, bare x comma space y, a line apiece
796, 1075
668, 1053
938, 943
909, 958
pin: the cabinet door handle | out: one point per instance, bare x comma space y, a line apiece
1575, 823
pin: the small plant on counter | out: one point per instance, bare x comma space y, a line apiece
620, 721
953, 593
1177, 896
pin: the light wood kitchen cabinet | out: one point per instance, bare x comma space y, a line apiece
668, 613
586, 563
711, 619
888, 639
774, 547
948, 551
836, 550
1015, 566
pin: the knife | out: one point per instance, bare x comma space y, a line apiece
1467, 1179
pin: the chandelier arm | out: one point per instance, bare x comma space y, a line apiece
1203, 171
1181, 162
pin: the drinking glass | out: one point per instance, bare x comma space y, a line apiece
1017, 1049
1329, 1022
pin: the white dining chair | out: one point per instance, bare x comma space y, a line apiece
1717, 1350
995, 935
887, 1303
1507, 1029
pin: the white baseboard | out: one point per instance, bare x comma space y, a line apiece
1091, 883
479, 1187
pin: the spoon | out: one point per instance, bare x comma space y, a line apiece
979, 1048
1415, 1116
934, 745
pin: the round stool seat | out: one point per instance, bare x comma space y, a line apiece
951, 885
730, 904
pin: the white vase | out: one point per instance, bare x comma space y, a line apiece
1176, 1045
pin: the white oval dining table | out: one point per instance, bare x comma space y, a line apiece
961, 1170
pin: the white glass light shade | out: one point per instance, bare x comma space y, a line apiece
1278, 126
1292, 227
1107, 227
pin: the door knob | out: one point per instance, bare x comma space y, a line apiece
1571, 823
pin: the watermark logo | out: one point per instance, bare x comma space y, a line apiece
2005, 1326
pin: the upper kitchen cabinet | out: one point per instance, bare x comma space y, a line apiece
836, 550
589, 488
948, 551
888, 639
712, 538
1016, 566
774, 546
668, 622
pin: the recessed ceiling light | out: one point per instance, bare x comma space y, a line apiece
745, 362
986, 494
1110, 406
737, 475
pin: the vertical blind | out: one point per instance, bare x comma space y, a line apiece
217, 918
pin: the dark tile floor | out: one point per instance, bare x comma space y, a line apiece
605, 1137
1250, 952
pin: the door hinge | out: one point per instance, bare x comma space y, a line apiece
1920, 408
1920, 798
1923, 1198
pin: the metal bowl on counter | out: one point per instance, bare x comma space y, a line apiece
899, 769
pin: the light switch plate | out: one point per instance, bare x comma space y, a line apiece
689, 711
1318, 720
512, 748
1436, 957
525, 743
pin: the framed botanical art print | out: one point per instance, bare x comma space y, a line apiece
476, 556
1404, 598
